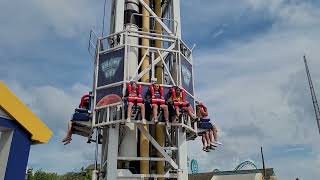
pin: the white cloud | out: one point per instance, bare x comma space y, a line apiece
68, 18
28, 22
55, 157
258, 92
294, 13
259, 96
53, 105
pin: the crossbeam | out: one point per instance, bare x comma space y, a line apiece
157, 18
157, 146
156, 61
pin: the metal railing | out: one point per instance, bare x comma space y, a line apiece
115, 114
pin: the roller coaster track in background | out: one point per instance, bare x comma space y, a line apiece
241, 166
244, 164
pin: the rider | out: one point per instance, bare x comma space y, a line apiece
177, 99
156, 99
134, 99
83, 106
210, 137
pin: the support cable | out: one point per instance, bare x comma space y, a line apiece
313, 94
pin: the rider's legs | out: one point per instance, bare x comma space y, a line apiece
215, 135
67, 139
189, 110
208, 138
142, 110
204, 141
211, 136
129, 112
177, 112
154, 112
165, 112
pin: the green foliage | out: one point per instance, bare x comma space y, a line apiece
42, 175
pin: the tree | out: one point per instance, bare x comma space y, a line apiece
84, 174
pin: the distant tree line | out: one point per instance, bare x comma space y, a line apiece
84, 174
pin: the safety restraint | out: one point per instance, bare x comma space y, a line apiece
157, 100
134, 97
182, 103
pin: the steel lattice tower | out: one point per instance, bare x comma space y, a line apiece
144, 45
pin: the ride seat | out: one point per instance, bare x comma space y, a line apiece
154, 100
135, 99
183, 103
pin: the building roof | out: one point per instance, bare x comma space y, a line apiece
19, 112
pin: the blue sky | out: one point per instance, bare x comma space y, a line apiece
251, 50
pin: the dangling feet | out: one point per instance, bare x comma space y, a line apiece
155, 120
194, 119
206, 149
66, 140
176, 119
167, 124
144, 121
211, 147
217, 143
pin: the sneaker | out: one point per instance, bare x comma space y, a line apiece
128, 120
144, 121
155, 120
194, 119
217, 142
66, 140
211, 147
205, 149
208, 148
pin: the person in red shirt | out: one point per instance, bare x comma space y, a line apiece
85, 106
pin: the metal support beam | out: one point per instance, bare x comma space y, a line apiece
176, 16
157, 18
166, 67
139, 66
156, 61
119, 16
182, 154
112, 153
157, 146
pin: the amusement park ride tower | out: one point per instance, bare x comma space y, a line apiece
144, 46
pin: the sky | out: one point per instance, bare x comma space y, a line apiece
252, 50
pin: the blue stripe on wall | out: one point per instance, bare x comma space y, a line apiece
19, 151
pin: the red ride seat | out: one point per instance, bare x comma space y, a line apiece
134, 97
155, 100
183, 102
84, 103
